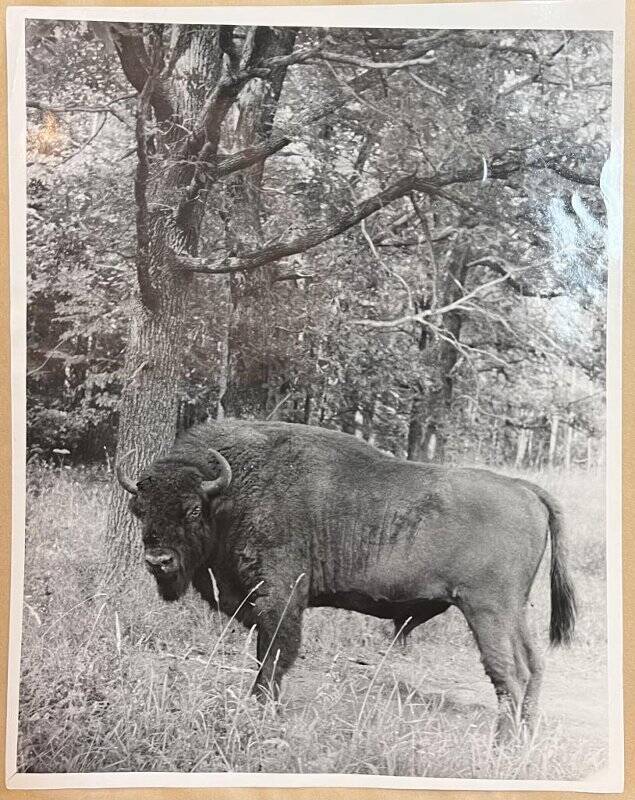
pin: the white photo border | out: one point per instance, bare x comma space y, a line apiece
511, 14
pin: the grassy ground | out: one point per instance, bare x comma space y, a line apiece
127, 682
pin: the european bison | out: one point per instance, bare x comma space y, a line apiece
289, 516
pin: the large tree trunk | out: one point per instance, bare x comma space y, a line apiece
148, 410
154, 355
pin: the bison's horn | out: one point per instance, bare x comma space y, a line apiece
123, 479
211, 488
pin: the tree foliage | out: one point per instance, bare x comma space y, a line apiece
405, 235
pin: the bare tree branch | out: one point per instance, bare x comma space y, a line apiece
88, 141
297, 57
570, 174
342, 58
385, 266
281, 138
520, 286
293, 276
427, 86
82, 109
462, 347
422, 316
72, 109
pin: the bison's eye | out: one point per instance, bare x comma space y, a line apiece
194, 512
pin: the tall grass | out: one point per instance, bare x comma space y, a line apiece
126, 682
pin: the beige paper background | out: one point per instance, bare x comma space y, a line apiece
628, 470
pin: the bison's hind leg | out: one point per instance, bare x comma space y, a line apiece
503, 652
535, 664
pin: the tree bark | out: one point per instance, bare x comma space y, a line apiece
154, 354
148, 412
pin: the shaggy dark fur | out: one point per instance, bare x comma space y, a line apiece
318, 518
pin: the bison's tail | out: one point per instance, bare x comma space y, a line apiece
563, 603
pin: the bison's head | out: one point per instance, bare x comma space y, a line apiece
172, 500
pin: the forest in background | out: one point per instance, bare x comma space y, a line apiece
422, 263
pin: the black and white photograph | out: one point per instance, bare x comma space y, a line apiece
316, 420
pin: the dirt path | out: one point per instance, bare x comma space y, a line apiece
451, 678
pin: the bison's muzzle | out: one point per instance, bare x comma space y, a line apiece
161, 562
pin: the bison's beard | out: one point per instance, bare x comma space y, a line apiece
173, 585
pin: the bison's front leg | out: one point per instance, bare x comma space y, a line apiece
279, 622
